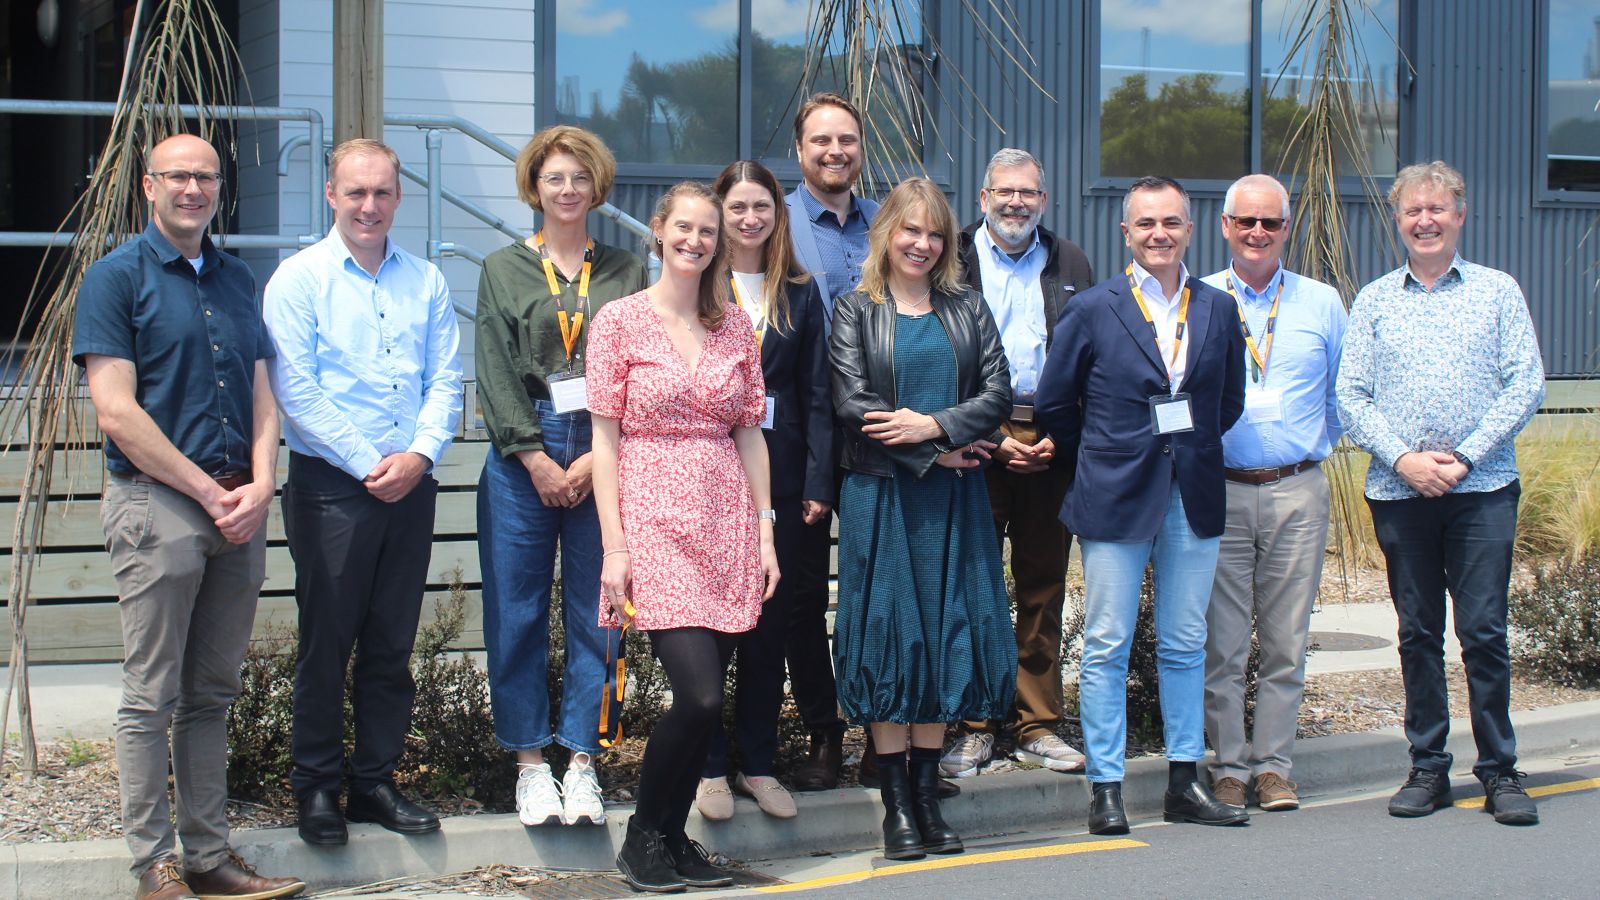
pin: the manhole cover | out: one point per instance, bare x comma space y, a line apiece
1344, 641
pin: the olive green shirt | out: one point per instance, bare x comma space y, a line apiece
519, 338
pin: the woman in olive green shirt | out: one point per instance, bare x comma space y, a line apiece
535, 302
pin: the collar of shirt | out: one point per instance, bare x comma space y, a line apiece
1250, 294
815, 209
167, 254
1154, 296
1456, 265
988, 247
347, 261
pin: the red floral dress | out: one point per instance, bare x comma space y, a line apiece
686, 507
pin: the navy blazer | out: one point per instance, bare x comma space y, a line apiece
794, 364
1094, 393
805, 247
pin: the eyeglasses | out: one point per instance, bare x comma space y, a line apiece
1248, 223
1028, 194
555, 181
178, 178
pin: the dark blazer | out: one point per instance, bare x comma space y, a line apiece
862, 350
794, 364
1095, 392
805, 246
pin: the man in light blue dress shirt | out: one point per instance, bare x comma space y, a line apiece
368, 376
1269, 566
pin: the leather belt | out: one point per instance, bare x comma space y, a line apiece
1022, 413
229, 481
1271, 475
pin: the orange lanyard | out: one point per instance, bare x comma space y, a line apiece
761, 330
570, 328
1183, 319
1260, 356
608, 691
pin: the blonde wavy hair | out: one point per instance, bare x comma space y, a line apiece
912, 197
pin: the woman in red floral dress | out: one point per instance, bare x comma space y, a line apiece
681, 484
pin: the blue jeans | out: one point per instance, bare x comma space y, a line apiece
517, 540
1112, 575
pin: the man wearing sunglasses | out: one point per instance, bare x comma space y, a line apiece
1269, 566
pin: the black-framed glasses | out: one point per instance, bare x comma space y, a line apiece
178, 178
1250, 222
1028, 194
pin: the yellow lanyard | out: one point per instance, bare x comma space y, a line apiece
761, 330
1183, 320
608, 691
1260, 356
570, 329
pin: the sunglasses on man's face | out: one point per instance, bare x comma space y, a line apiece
1248, 223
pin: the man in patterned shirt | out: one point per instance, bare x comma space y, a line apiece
1440, 372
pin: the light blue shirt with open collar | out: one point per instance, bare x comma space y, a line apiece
1011, 288
1303, 363
367, 365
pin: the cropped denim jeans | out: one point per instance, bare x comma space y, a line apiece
517, 541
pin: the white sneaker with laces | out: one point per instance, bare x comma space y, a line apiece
968, 755
1049, 751
580, 792
538, 797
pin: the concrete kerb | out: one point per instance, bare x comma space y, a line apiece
828, 822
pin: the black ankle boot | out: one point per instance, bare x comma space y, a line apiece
901, 839
645, 863
937, 835
693, 864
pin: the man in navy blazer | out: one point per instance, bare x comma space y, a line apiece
1145, 374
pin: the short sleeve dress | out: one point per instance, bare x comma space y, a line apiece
686, 507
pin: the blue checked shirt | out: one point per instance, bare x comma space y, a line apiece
842, 245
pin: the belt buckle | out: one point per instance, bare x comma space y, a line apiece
1277, 476
1022, 413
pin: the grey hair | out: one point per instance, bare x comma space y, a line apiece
1438, 173
1155, 183
1255, 183
1009, 157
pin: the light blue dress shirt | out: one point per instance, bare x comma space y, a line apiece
1011, 288
366, 366
1303, 364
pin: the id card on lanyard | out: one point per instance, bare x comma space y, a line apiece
568, 387
1261, 403
1169, 413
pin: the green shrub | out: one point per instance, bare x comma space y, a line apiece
1555, 622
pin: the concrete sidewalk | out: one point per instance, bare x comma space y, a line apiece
832, 821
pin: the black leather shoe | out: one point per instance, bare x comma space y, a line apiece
937, 835
384, 805
645, 863
820, 771
1196, 804
321, 822
1106, 815
901, 839
1425, 790
867, 774
693, 864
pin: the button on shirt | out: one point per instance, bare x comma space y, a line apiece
841, 245
1011, 288
192, 336
1164, 311
366, 366
1302, 363
1452, 368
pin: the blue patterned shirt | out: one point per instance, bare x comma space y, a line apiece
1455, 368
842, 245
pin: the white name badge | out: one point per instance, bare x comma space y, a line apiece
1171, 414
1263, 405
772, 409
569, 394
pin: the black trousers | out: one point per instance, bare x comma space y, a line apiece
1463, 543
360, 567
806, 645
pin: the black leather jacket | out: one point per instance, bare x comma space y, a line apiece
862, 352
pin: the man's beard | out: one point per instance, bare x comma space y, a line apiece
1013, 234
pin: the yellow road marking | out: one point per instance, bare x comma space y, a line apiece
951, 862
1565, 787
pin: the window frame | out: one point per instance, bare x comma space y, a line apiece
1543, 195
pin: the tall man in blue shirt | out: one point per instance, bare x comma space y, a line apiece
1026, 274
171, 335
1441, 370
1269, 566
368, 375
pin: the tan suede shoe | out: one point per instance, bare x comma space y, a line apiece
1229, 791
1276, 793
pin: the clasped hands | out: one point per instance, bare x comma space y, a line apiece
1431, 473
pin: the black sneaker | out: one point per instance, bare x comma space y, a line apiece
1504, 798
1424, 791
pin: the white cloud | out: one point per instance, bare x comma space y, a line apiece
581, 17
1217, 22
773, 18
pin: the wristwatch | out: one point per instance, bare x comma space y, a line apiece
771, 515
1461, 458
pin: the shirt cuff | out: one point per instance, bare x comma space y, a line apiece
429, 446
363, 462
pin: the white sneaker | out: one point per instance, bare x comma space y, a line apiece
581, 800
968, 755
538, 798
1051, 752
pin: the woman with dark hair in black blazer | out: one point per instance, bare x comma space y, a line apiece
786, 309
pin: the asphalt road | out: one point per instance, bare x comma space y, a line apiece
1339, 848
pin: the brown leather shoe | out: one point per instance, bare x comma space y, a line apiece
1229, 791
163, 881
1276, 793
820, 771
236, 879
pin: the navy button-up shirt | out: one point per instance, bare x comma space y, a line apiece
842, 245
193, 338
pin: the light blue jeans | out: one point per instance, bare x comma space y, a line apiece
1112, 575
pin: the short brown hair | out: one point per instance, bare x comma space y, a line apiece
909, 196
818, 100
585, 145
361, 147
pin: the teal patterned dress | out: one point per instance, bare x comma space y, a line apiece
923, 631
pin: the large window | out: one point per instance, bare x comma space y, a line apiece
1572, 136
1177, 95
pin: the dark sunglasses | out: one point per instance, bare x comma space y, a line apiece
1250, 222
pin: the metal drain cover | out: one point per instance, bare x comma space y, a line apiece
1344, 641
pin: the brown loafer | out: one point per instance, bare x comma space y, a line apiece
163, 881
1276, 793
1229, 791
236, 879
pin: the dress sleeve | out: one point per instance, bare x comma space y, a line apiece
606, 368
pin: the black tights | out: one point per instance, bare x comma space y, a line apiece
696, 662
